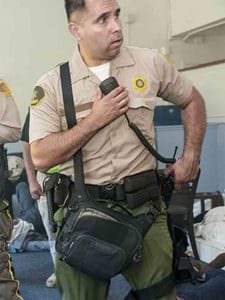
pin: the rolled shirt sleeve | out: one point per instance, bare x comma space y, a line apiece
174, 86
10, 124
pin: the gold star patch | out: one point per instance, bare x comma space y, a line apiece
140, 84
4, 89
38, 95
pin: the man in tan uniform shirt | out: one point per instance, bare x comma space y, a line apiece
111, 150
9, 132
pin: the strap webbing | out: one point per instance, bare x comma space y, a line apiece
70, 113
158, 290
146, 143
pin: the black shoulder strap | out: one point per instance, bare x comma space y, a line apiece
71, 121
147, 145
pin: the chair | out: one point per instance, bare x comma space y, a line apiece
216, 199
180, 211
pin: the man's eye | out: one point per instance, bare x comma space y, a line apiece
102, 20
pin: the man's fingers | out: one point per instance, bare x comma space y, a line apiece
124, 109
117, 91
123, 102
120, 97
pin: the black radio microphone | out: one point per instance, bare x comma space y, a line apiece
107, 85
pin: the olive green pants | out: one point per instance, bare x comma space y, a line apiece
9, 287
156, 264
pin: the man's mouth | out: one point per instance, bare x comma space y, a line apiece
117, 42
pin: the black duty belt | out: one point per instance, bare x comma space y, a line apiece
110, 191
136, 189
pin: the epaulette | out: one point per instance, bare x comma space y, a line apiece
4, 89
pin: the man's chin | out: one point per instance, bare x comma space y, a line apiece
113, 52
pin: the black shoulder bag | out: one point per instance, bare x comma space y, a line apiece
98, 237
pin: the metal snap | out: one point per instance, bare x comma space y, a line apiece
109, 187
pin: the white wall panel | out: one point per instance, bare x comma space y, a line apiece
192, 14
34, 38
210, 82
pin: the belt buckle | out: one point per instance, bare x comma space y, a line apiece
109, 187
108, 191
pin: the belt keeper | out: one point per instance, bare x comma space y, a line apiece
120, 193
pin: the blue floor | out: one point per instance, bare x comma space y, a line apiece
32, 269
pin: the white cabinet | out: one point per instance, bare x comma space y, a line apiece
187, 16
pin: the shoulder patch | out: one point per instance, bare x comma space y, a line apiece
4, 89
38, 95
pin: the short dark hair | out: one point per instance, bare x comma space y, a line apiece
73, 5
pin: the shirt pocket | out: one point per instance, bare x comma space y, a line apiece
141, 112
147, 102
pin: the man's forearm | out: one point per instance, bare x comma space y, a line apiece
194, 120
218, 262
60, 147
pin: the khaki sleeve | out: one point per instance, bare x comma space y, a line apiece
174, 87
44, 117
10, 125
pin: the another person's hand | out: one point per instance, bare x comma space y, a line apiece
35, 190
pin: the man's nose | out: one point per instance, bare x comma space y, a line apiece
115, 25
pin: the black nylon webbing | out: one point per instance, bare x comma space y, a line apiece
146, 143
70, 113
156, 291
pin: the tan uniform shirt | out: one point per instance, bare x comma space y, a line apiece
115, 151
10, 126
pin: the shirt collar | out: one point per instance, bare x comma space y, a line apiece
79, 70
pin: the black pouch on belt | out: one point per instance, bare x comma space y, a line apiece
59, 185
140, 188
57, 188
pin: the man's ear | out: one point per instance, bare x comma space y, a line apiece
74, 30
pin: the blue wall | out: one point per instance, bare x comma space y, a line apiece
213, 153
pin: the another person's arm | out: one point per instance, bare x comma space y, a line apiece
34, 186
217, 263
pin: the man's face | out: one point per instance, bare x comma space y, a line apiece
98, 31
